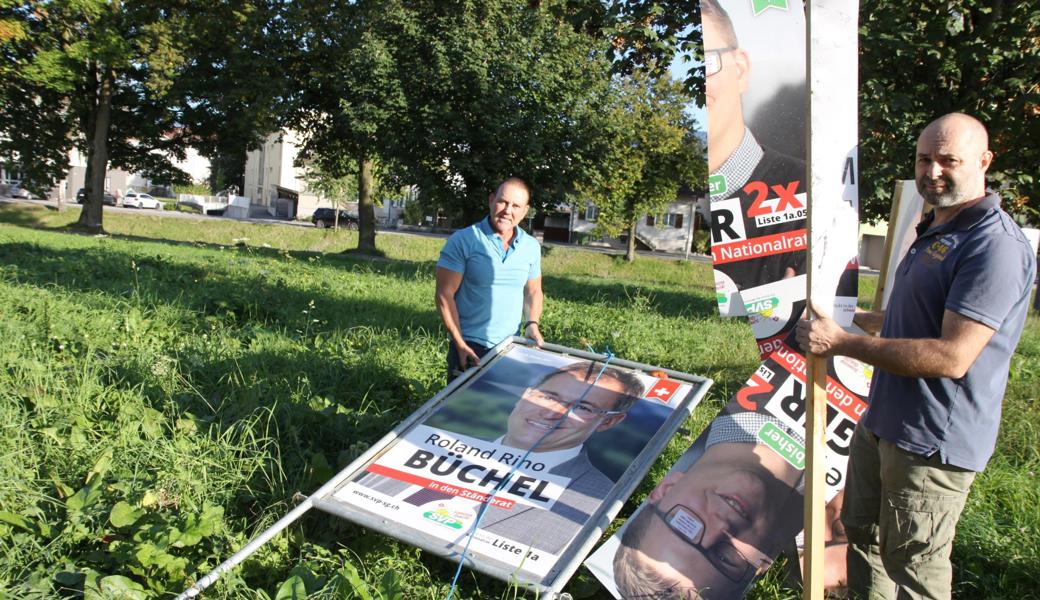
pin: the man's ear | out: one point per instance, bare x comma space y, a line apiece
742, 62
986, 160
611, 421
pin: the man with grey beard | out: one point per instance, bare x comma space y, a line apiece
958, 306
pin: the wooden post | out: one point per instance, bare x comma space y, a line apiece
815, 392
893, 217
815, 385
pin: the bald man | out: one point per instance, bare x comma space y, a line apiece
958, 306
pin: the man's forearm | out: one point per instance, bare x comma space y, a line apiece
450, 316
929, 357
533, 306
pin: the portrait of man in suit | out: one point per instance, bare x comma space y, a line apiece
552, 419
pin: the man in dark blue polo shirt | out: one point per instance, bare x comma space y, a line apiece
958, 305
488, 276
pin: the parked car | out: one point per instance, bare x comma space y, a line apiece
326, 217
109, 199
18, 191
141, 200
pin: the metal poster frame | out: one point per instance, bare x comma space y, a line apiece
571, 557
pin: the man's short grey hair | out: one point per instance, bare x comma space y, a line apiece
710, 9
513, 181
631, 387
632, 577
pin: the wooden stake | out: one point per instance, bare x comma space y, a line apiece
893, 217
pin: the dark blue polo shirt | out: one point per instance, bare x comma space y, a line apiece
978, 265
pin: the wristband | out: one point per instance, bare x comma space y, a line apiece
529, 323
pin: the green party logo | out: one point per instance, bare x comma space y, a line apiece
442, 517
760, 6
716, 185
721, 298
762, 306
783, 443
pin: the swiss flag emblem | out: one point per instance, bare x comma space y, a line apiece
662, 390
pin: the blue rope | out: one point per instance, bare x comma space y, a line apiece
509, 475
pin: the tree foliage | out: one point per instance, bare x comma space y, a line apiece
644, 35
451, 97
651, 151
350, 104
919, 61
114, 80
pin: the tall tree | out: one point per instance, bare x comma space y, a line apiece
497, 88
111, 79
236, 84
650, 155
103, 69
351, 100
919, 61
455, 97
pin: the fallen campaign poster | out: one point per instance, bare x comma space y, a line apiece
572, 453
756, 99
733, 501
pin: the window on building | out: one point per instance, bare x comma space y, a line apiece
651, 220
672, 220
591, 213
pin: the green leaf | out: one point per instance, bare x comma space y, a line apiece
124, 515
117, 587
37, 528
101, 466
349, 585
85, 497
391, 587
292, 589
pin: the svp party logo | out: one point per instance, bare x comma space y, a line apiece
442, 516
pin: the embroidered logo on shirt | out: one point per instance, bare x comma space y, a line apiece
938, 249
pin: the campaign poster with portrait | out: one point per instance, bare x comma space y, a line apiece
755, 95
526, 462
734, 500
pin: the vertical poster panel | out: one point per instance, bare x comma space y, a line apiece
756, 97
835, 159
728, 507
908, 207
565, 443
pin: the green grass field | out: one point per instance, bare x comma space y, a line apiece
167, 389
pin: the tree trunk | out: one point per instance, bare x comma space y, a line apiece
630, 252
366, 206
97, 160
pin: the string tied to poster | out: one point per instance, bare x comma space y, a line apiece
509, 475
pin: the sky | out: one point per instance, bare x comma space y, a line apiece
679, 70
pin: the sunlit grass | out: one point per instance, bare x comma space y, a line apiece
210, 363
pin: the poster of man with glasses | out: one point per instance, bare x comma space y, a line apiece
754, 60
568, 427
734, 500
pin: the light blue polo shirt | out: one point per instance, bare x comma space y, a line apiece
980, 266
490, 299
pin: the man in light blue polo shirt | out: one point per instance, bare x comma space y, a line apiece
958, 306
488, 277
